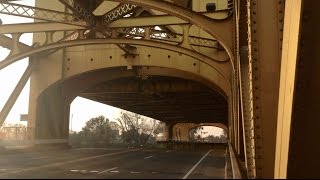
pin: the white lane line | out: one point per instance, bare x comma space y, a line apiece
83, 171
3, 169
194, 167
148, 157
134, 172
94, 171
114, 171
67, 162
107, 170
41, 157
74, 170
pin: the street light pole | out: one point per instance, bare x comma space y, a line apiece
71, 122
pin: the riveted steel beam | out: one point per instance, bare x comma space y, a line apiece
7, 42
40, 13
37, 27
118, 13
205, 59
222, 30
160, 20
80, 11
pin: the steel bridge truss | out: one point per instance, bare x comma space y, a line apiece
124, 27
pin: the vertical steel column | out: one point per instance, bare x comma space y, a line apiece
293, 13
265, 26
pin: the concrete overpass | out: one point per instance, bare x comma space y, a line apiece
248, 65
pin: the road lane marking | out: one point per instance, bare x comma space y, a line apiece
41, 157
74, 170
108, 170
114, 171
83, 171
94, 171
194, 167
3, 169
148, 157
68, 162
134, 172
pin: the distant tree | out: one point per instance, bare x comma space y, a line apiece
98, 130
137, 129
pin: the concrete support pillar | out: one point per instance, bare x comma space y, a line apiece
168, 131
52, 118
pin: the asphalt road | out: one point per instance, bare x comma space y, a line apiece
113, 163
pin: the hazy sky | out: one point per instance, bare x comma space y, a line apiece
9, 76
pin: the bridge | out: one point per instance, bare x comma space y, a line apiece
247, 66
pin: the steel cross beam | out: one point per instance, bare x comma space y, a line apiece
161, 20
77, 9
222, 30
172, 37
40, 13
118, 13
37, 27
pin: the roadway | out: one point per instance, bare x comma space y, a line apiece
88, 163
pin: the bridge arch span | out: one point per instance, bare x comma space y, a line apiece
52, 113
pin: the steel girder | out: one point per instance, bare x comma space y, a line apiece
118, 13
221, 30
78, 10
205, 59
37, 27
40, 13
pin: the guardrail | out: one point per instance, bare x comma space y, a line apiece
236, 174
32, 142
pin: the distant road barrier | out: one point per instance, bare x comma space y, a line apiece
32, 142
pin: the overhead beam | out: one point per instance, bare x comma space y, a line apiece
222, 30
7, 42
118, 13
80, 11
37, 27
40, 13
160, 20
104, 7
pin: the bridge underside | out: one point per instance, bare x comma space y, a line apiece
167, 99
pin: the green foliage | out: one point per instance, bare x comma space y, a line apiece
135, 130
97, 131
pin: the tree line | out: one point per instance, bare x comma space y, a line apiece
129, 129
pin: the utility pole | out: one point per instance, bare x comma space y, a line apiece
71, 121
